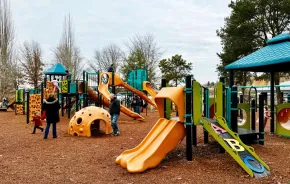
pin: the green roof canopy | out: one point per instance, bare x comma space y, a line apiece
275, 57
57, 69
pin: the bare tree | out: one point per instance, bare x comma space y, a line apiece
7, 64
32, 63
112, 54
67, 53
146, 48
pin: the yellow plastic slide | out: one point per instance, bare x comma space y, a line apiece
92, 94
147, 87
162, 138
119, 82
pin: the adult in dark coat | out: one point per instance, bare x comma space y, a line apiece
51, 106
136, 102
68, 75
111, 69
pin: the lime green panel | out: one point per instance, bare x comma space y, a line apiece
211, 101
246, 108
222, 122
218, 99
168, 109
20, 95
280, 130
168, 106
197, 103
16, 96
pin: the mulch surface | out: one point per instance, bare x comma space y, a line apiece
28, 158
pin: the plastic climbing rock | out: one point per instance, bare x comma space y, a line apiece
87, 121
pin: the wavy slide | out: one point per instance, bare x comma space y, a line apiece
119, 82
162, 138
139, 93
92, 94
243, 154
147, 87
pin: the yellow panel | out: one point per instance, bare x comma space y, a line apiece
176, 95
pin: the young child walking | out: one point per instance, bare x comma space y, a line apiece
36, 119
266, 115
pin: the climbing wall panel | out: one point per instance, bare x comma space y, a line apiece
19, 109
34, 104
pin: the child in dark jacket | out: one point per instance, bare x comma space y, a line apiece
115, 113
36, 119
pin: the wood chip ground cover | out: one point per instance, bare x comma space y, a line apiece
28, 158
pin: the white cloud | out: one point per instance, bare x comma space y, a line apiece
186, 27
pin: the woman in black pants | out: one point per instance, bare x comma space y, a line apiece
51, 106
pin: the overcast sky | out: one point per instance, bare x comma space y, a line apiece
186, 27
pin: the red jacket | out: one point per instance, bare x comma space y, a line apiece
37, 120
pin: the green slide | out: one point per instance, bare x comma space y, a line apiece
243, 154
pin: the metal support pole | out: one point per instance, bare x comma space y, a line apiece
253, 114
68, 105
42, 94
193, 127
77, 97
272, 125
222, 79
234, 110
45, 79
113, 83
163, 85
240, 110
27, 108
261, 119
99, 95
84, 89
188, 118
206, 112
62, 104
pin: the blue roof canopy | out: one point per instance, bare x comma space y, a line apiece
273, 57
57, 69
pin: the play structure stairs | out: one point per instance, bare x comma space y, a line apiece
162, 138
244, 155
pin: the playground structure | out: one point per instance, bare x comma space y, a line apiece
193, 105
167, 133
79, 94
272, 58
218, 116
281, 112
138, 79
101, 97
